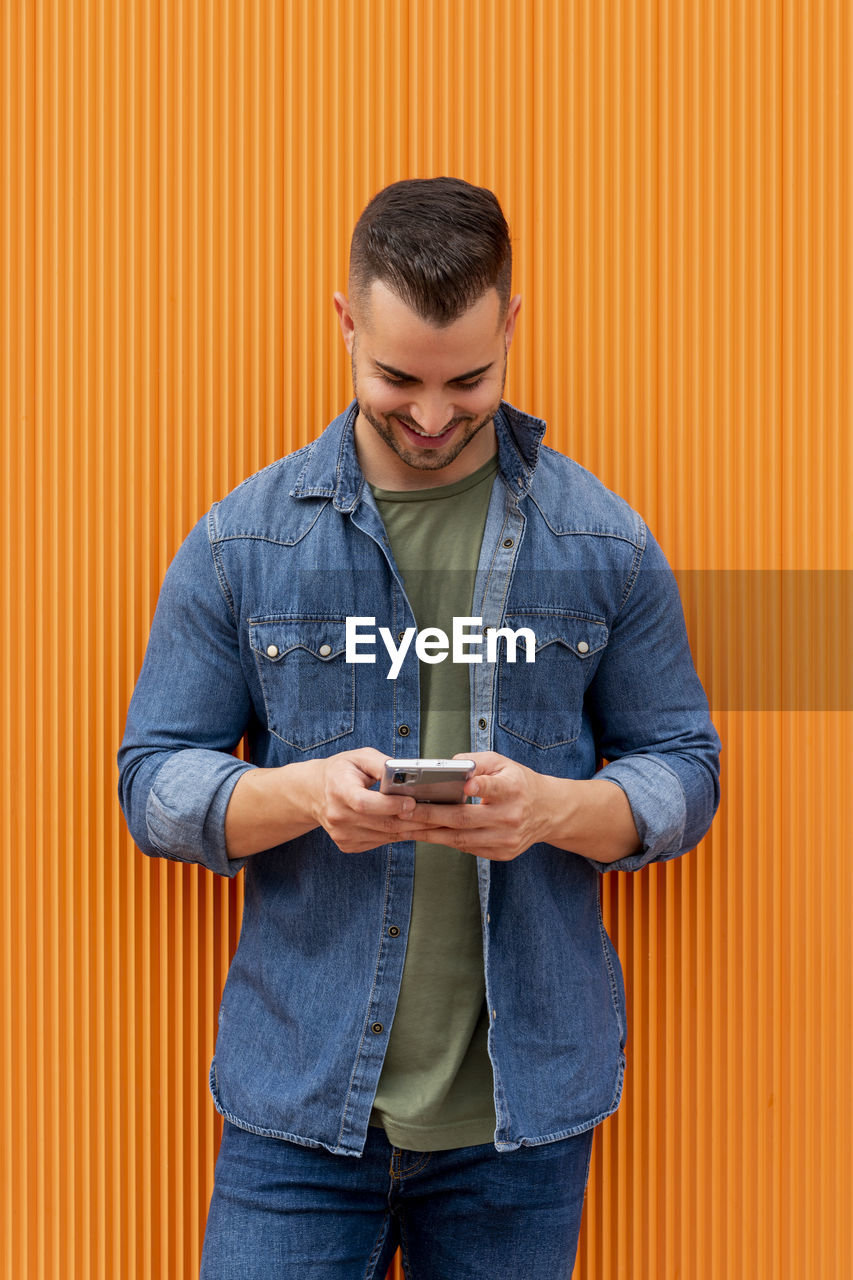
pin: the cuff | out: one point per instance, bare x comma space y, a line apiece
185, 813
658, 805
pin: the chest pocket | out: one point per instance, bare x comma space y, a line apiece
308, 687
542, 701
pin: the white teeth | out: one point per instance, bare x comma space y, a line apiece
426, 434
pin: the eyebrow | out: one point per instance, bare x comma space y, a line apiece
407, 377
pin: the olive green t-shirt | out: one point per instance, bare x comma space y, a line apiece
436, 1089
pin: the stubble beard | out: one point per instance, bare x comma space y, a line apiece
429, 459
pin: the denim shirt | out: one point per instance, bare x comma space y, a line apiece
249, 639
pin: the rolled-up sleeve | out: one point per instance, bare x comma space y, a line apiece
189, 710
652, 720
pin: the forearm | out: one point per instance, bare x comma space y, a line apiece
270, 806
592, 818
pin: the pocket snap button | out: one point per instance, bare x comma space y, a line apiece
583, 647
272, 650
325, 650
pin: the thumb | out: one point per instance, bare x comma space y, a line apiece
368, 760
483, 785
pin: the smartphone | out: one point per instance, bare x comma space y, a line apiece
429, 781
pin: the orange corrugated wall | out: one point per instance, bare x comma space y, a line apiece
179, 181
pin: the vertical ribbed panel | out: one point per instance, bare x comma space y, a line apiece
179, 182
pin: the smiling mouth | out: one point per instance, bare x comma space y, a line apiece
426, 435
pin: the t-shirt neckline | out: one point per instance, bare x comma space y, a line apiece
488, 468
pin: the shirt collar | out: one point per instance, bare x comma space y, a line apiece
331, 467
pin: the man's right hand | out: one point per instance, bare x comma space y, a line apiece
269, 806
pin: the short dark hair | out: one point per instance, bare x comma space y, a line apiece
439, 243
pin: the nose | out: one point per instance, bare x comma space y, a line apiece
432, 415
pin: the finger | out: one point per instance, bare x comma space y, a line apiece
431, 816
481, 844
488, 786
391, 832
373, 804
361, 835
369, 761
484, 760
436, 835
453, 838
456, 817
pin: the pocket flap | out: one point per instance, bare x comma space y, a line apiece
584, 636
274, 638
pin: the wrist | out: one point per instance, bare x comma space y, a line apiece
270, 806
307, 781
591, 817
556, 804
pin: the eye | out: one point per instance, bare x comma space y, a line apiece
403, 382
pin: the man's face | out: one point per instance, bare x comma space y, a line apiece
427, 396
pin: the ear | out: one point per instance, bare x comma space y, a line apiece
345, 319
511, 317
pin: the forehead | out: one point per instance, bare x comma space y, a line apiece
387, 320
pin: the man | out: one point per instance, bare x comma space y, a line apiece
424, 1019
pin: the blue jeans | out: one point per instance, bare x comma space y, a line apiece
285, 1212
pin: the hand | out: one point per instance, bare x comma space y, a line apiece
354, 816
513, 812
271, 806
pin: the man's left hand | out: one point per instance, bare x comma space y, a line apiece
513, 812
520, 807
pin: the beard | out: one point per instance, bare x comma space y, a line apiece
427, 459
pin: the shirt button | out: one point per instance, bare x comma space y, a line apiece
325, 650
481, 722
272, 650
509, 542
377, 1028
583, 647
403, 731
400, 635
394, 931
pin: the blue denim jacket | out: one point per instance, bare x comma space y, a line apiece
249, 638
